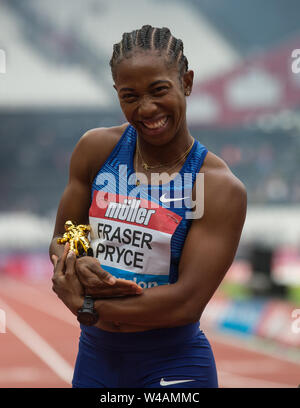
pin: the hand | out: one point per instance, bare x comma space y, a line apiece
65, 281
99, 283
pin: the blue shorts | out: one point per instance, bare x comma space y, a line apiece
179, 357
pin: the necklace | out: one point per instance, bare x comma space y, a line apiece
147, 166
171, 164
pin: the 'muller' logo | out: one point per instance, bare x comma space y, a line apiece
129, 210
2, 62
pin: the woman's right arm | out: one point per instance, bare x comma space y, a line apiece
74, 203
89, 154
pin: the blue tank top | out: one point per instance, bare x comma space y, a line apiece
138, 231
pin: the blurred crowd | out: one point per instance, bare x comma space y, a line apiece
36, 149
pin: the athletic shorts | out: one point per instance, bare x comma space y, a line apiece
179, 357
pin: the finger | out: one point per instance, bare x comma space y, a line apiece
126, 283
54, 260
70, 263
60, 265
128, 286
103, 275
62, 258
90, 280
65, 253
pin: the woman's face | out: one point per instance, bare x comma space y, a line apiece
151, 96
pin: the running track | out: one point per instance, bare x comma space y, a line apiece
40, 344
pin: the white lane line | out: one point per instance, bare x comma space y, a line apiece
36, 299
23, 374
237, 381
253, 344
27, 335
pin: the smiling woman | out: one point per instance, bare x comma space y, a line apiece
157, 112
154, 267
152, 87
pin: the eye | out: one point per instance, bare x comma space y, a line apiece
129, 97
160, 89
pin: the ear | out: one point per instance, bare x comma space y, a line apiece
188, 79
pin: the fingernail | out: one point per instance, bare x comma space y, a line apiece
71, 254
112, 280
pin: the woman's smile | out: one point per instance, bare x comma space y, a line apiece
155, 126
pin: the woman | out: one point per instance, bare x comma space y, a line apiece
157, 259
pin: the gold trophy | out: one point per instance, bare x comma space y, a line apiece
76, 235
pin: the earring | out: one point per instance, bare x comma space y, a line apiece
187, 92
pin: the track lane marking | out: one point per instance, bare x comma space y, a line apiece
26, 374
27, 335
240, 380
56, 308
248, 345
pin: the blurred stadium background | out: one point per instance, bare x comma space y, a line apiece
245, 107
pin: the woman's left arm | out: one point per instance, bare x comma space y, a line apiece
208, 252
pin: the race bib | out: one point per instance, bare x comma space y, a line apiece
131, 238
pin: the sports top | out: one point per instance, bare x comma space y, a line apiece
138, 232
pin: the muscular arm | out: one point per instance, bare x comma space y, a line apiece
208, 252
74, 203
89, 154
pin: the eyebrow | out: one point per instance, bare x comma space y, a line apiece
160, 81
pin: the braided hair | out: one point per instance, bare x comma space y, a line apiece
150, 38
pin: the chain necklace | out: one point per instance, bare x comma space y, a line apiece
147, 166
172, 164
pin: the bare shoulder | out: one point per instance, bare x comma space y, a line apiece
95, 146
218, 173
101, 135
102, 140
224, 193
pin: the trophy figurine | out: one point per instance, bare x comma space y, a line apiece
76, 235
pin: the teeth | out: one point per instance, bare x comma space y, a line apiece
156, 125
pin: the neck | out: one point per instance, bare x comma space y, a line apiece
155, 155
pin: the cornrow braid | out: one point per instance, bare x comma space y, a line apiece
150, 38
127, 41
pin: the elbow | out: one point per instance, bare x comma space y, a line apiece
188, 312
187, 307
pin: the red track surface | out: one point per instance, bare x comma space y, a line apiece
40, 345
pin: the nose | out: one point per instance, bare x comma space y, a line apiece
147, 108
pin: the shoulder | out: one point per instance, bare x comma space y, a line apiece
219, 176
103, 138
94, 147
224, 194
